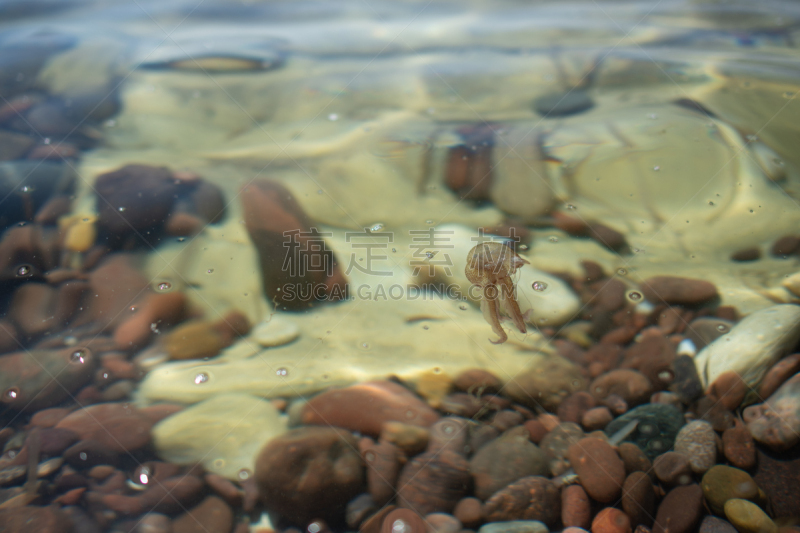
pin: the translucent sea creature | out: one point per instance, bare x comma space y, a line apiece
491, 266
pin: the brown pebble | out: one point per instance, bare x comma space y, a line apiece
786, 245
639, 499
477, 381
778, 374
611, 520
530, 498
673, 468
679, 291
536, 429
212, 515
118, 427
442, 523
746, 254
599, 468
634, 458
680, 510
383, 466
630, 385
597, 418
404, 520
576, 509
739, 447
730, 389
469, 512
574, 406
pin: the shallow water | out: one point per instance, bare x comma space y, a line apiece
651, 138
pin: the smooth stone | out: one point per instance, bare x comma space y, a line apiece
556, 445
738, 446
748, 517
310, 473
779, 374
276, 331
672, 468
224, 433
639, 499
752, 347
212, 515
599, 468
678, 291
563, 104
631, 385
680, 510
576, 510
722, 483
776, 422
777, 478
713, 524
611, 520
118, 427
515, 526
698, 441
657, 428
503, 461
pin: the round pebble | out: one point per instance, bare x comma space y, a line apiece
722, 483
748, 517
599, 468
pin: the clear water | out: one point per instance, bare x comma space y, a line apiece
675, 123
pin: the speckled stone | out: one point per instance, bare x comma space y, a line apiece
505, 460
680, 510
712, 524
611, 520
739, 447
556, 444
658, 426
599, 467
530, 498
698, 442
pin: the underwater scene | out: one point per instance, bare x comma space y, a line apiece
413, 266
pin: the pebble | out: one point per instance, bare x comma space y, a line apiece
722, 483
653, 354
639, 499
383, 460
409, 438
26, 378
118, 427
748, 517
169, 496
674, 290
599, 468
739, 447
32, 518
470, 512
630, 385
224, 433
596, 418
575, 406
680, 510
309, 473
405, 521
698, 441
777, 477
712, 524
673, 468
442, 523
270, 211
433, 481
545, 385
686, 383
729, 389
505, 460
634, 458
776, 422
657, 428
387, 401
556, 444
611, 520
753, 346
515, 526
530, 498
778, 374
477, 381
576, 508
212, 515
469, 169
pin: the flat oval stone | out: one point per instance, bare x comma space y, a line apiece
752, 347
599, 468
697, 441
748, 517
722, 483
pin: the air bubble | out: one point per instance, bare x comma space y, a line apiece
375, 228
210, 271
400, 526
523, 247
121, 209
622, 272
656, 168
365, 345
634, 296
24, 270
78, 356
429, 222
710, 203
12, 393
83, 456
426, 327
154, 328
722, 327
244, 474
282, 372
539, 286
314, 527
202, 377
369, 457
463, 307
164, 286
333, 117
553, 238
571, 207
429, 255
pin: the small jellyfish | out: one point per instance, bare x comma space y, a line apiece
490, 266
